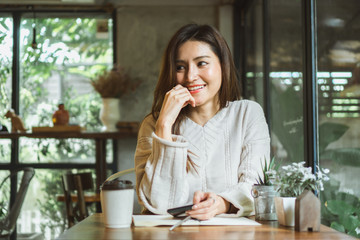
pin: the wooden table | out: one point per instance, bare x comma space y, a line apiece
100, 144
89, 197
93, 228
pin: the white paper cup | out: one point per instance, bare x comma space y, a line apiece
117, 201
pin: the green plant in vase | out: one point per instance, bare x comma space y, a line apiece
264, 192
294, 178
291, 181
267, 168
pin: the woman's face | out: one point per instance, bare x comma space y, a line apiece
199, 70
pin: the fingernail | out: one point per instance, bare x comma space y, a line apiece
195, 207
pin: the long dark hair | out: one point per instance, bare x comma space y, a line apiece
229, 90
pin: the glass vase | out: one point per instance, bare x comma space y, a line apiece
264, 202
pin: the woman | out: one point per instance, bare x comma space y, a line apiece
200, 144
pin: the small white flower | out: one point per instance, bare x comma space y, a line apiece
286, 167
271, 172
293, 179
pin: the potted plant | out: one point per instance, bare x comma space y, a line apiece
112, 85
291, 181
264, 192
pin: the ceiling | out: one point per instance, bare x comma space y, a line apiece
119, 2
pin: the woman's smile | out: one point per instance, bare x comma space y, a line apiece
193, 89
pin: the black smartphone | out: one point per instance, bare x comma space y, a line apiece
176, 212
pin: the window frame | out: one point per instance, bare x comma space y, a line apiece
17, 13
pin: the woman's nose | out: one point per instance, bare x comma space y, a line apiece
192, 73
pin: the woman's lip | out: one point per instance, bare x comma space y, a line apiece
195, 88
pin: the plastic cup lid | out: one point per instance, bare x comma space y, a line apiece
117, 184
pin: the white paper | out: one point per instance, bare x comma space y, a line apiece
168, 220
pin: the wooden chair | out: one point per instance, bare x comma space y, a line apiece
79, 182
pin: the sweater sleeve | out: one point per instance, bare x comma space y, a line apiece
255, 148
160, 167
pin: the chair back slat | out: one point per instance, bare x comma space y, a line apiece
76, 182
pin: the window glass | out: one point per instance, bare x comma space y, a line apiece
6, 55
286, 88
59, 57
42, 212
4, 197
339, 110
285, 73
254, 53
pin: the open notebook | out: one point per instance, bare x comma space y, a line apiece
163, 220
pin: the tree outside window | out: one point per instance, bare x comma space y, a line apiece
70, 51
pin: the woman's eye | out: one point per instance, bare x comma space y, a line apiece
202, 63
179, 68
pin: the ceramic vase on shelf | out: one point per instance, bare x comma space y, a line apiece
285, 210
110, 113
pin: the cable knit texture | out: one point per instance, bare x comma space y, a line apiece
227, 152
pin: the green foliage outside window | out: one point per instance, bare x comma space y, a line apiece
68, 48
339, 210
5, 71
4, 198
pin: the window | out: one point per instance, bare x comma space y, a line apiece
338, 96
6, 44
70, 49
339, 110
285, 73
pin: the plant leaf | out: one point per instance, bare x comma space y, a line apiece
348, 198
343, 156
350, 222
354, 233
340, 208
330, 132
260, 180
337, 227
272, 162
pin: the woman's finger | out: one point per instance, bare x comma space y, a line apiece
180, 89
198, 197
207, 202
205, 205
177, 87
203, 213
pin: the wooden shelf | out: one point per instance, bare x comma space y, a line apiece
67, 128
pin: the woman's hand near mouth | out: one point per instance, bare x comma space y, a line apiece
175, 99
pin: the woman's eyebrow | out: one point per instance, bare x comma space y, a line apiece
195, 59
199, 57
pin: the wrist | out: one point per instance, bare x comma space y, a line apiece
225, 206
163, 130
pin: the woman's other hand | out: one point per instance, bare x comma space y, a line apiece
207, 205
175, 99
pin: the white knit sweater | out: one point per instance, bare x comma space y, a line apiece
227, 152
